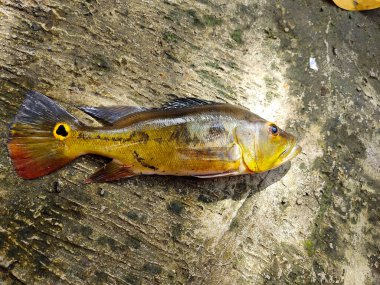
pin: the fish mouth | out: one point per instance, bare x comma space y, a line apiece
295, 150
288, 154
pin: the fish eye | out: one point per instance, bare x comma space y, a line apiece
273, 129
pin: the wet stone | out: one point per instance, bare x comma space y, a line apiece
176, 207
152, 268
57, 186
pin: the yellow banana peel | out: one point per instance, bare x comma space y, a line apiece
357, 5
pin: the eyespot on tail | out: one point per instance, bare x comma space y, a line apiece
36, 142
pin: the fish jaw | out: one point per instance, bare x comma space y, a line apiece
290, 152
294, 151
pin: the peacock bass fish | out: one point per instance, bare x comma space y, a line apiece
186, 137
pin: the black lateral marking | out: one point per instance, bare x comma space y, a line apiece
158, 140
182, 135
216, 131
141, 160
82, 136
135, 136
138, 136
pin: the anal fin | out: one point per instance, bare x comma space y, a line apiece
111, 171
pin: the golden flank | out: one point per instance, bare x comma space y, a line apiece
186, 137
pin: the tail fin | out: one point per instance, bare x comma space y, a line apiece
37, 136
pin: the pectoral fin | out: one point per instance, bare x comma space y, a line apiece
232, 153
112, 171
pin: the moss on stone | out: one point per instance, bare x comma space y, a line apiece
309, 246
211, 20
171, 37
237, 36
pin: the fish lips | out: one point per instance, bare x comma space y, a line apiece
295, 150
289, 153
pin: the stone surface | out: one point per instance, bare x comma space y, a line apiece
315, 221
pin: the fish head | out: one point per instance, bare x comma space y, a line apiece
265, 146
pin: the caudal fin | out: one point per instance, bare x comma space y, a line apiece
37, 136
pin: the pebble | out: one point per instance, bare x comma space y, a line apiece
324, 91
57, 185
293, 43
102, 192
286, 30
372, 74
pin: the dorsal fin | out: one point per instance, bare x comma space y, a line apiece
111, 114
187, 102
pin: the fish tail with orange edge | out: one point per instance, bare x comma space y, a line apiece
38, 137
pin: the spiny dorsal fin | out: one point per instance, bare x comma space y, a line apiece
111, 171
111, 114
187, 102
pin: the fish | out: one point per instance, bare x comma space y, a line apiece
357, 5
184, 137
